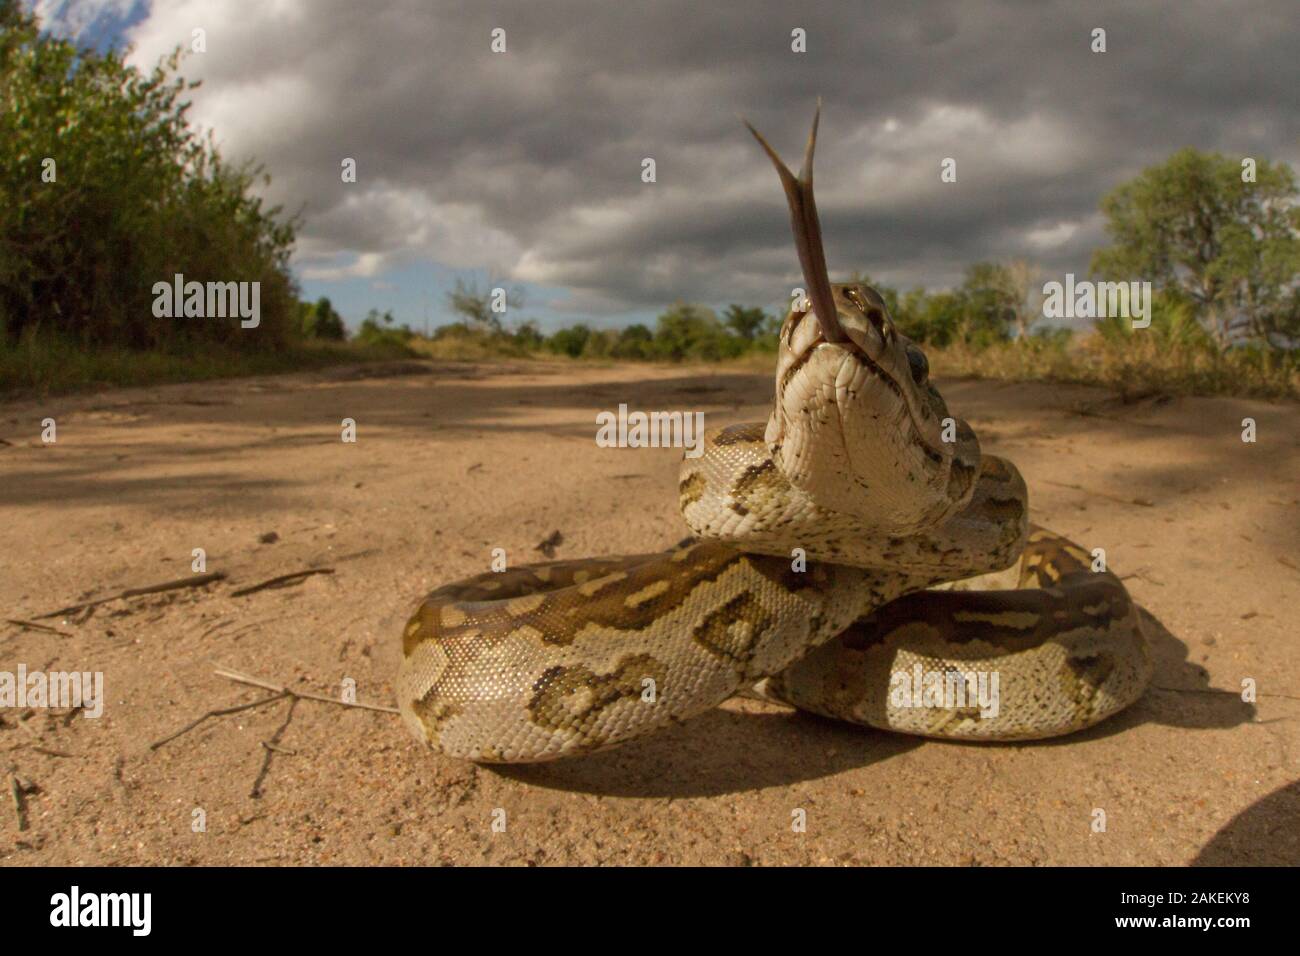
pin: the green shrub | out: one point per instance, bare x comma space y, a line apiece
320, 321
569, 341
105, 190
694, 332
634, 342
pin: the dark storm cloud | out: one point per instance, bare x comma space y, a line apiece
529, 161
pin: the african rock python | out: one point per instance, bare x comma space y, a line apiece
821, 538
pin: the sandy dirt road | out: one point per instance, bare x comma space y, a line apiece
455, 460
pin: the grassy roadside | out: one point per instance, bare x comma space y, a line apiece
1139, 371
1169, 361
45, 367
1136, 365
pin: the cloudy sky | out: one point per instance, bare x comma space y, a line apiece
526, 165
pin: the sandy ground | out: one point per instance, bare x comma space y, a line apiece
455, 460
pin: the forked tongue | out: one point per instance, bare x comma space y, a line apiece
807, 230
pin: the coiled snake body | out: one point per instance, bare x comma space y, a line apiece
856, 556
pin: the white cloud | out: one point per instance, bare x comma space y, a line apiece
900, 158
1050, 237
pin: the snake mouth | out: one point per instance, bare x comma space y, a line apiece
832, 332
936, 455
935, 409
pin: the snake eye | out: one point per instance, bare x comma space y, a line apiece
918, 363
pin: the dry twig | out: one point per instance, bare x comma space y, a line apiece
193, 581
278, 692
51, 752
272, 750
218, 713
20, 805
283, 581
242, 678
33, 626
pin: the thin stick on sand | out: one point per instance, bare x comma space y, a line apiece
193, 581
283, 581
242, 678
217, 713
278, 692
20, 805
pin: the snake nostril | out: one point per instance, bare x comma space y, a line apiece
919, 365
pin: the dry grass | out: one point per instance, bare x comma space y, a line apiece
469, 348
49, 366
1134, 364
1128, 364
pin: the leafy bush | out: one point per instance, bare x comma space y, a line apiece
569, 341
320, 321
634, 342
463, 342
105, 190
693, 332
378, 329
1173, 325
528, 336
1226, 243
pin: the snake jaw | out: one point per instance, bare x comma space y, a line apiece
878, 401
832, 332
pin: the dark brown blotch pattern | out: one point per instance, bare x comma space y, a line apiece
755, 484
731, 632
571, 699
690, 490
1056, 594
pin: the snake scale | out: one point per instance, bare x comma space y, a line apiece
855, 556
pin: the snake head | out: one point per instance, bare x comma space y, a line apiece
857, 423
